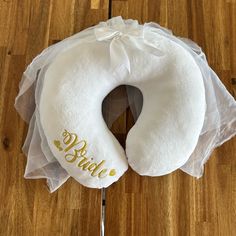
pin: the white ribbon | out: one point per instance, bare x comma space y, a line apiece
120, 35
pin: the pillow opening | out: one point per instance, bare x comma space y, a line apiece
121, 109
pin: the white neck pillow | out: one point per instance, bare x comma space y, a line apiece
117, 53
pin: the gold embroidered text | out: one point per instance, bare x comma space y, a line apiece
75, 150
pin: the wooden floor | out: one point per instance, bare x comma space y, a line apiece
176, 204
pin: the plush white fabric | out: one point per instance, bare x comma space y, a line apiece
126, 48
168, 128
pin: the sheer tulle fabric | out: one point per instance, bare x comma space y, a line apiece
219, 124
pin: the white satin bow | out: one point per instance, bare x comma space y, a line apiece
121, 36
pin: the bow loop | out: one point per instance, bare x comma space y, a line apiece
105, 33
120, 35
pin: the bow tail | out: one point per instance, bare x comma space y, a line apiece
146, 47
118, 55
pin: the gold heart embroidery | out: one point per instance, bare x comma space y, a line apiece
57, 143
112, 172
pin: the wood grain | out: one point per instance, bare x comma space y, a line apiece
26, 207
176, 204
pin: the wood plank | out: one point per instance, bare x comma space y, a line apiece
178, 204
26, 206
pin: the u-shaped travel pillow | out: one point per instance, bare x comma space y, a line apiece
77, 81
